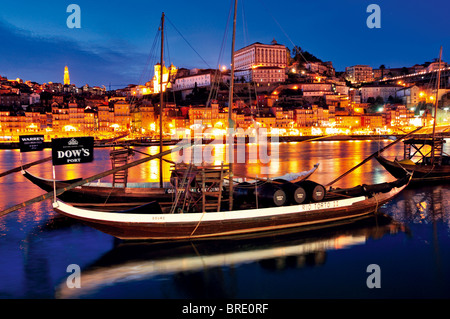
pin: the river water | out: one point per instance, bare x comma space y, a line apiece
408, 240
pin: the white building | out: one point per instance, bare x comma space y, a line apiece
409, 95
199, 78
35, 98
261, 63
316, 89
375, 91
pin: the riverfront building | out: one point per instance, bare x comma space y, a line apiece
261, 63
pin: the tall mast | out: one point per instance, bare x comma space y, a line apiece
161, 101
230, 110
436, 102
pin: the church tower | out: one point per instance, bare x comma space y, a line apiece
66, 76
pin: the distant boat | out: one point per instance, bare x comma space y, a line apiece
423, 169
423, 154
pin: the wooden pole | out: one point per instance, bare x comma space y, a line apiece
161, 101
54, 184
373, 155
436, 105
59, 191
19, 168
230, 112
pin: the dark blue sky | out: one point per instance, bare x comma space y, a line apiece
114, 44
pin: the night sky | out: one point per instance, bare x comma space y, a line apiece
116, 42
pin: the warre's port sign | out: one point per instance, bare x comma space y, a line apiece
30, 143
72, 150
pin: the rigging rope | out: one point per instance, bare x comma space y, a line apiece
284, 32
168, 20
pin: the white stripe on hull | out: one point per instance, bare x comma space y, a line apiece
210, 216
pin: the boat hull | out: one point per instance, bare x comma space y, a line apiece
421, 173
112, 197
219, 224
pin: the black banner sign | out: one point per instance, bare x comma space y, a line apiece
73, 150
30, 143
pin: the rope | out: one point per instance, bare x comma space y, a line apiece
181, 35
198, 224
376, 205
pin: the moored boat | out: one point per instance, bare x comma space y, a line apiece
142, 223
424, 154
427, 167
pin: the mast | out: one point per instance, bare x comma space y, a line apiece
230, 110
161, 101
436, 102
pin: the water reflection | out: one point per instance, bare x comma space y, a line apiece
334, 158
37, 244
428, 205
212, 264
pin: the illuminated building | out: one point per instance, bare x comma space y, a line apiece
196, 77
261, 63
139, 91
374, 91
103, 117
359, 73
409, 95
168, 76
66, 76
208, 116
324, 68
122, 116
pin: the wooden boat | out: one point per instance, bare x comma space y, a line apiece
426, 168
423, 155
149, 223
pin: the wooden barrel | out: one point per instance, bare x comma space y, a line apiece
269, 194
242, 190
314, 191
295, 193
